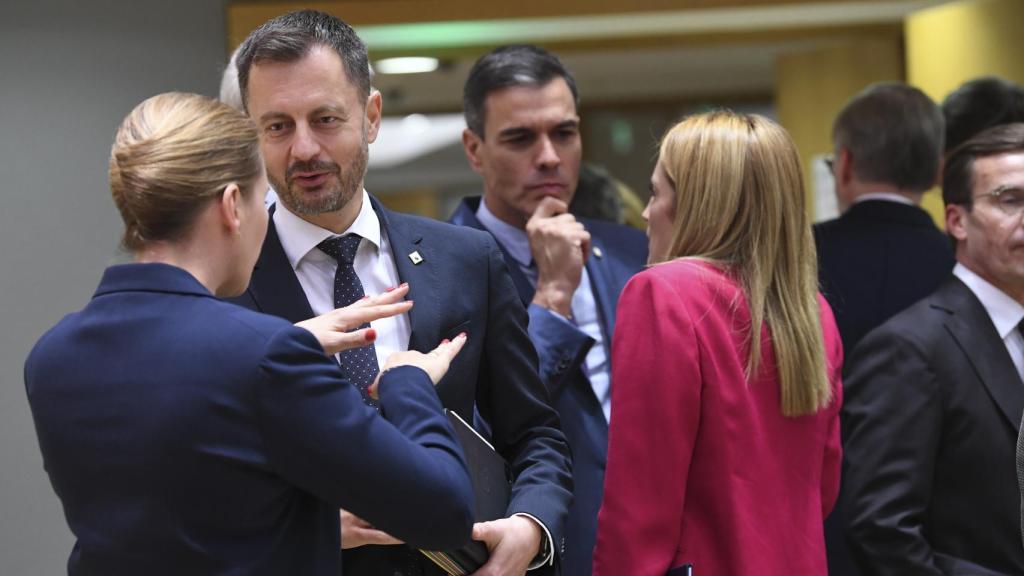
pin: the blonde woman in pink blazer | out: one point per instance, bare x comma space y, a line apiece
724, 450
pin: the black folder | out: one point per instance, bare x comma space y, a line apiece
492, 486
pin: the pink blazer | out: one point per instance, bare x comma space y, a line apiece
703, 469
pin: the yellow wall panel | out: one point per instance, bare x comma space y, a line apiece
950, 44
812, 86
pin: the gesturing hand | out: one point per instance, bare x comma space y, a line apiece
435, 363
559, 245
336, 329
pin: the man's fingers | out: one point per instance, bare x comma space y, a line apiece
349, 519
550, 206
484, 532
371, 536
355, 536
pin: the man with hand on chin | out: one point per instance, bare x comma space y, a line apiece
523, 137
305, 81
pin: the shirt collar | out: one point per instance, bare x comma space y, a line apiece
1005, 312
299, 238
514, 240
887, 196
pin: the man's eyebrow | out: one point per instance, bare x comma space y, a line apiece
272, 116
570, 123
1005, 188
330, 108
516, 131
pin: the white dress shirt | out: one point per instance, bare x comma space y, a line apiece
584, 308
374, 264
1005, 312
889, 196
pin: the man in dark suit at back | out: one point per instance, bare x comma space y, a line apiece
523, 138
884, 253
934, 397
305, 81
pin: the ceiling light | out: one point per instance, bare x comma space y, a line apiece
406, 65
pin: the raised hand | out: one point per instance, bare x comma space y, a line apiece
559, 245
336, 330
435, 363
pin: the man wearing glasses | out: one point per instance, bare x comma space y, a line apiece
884, 253
934, 396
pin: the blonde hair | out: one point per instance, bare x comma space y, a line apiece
173, 154
740, 203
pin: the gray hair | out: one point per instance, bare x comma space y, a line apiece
230, 94
895, 134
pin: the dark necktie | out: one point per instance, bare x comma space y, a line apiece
359, 365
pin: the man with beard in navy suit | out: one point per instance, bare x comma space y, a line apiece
305, 81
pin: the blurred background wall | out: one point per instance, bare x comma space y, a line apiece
72, 70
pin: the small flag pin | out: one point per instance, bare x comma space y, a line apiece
415, 257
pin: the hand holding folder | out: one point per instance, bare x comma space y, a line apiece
492, 485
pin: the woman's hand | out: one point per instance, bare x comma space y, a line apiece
335, 330
435, 363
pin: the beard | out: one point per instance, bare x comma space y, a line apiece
332, 195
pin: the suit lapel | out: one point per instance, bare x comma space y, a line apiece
973, 331
405, 238
274, 286
465, 215
600, 283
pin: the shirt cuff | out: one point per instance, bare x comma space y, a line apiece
546, 556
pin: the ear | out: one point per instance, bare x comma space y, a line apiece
844, 166
230, 209
471, 143
374, 104
956, 226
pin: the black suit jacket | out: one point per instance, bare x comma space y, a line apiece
877, 259
563, 349
462, 284
933, 404
873, 261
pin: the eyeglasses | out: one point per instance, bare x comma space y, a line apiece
830, 162
1009, 200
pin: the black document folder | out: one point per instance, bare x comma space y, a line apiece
492, 486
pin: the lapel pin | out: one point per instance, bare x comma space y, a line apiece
415, 257
598, 252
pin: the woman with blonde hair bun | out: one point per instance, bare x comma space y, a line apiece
724, 450
186, 435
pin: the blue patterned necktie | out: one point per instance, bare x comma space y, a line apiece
359, 365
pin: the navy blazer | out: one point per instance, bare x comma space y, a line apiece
460, 285
876, 260
186, 435
618, 253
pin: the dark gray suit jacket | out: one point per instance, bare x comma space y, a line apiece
933, 406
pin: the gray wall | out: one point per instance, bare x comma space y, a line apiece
70, 70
